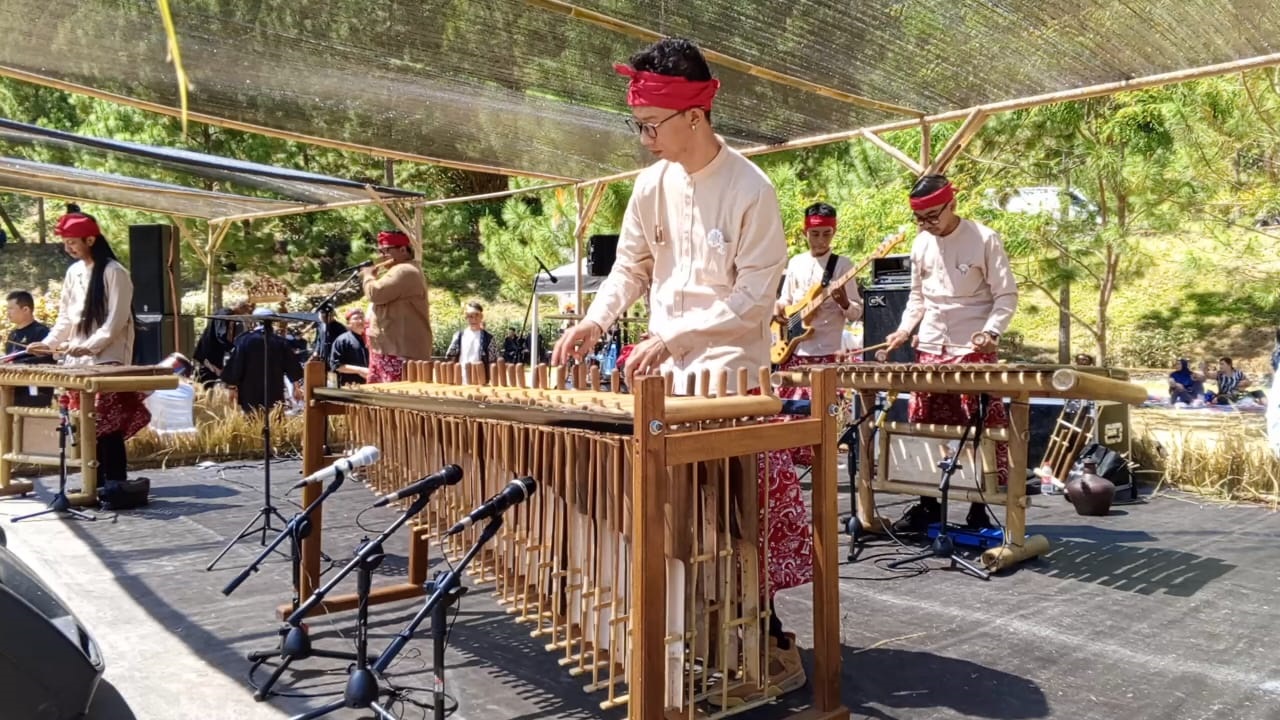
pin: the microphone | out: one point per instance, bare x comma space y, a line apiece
64, 414
515, 492
361, 266
447, 475
366, 455
550, 277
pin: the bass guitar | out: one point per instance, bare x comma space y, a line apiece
797, 325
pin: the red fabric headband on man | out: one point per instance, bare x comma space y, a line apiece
813, 221
667, 91
941, 196
392, 238
76, 225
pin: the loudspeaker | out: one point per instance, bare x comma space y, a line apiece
881, 314
602, 250
154, 264
49, 664
153, 338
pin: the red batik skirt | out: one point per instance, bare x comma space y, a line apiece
122, 412
952, 409
385, 368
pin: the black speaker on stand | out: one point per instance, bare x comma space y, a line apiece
602, 250
883, 302
155, 266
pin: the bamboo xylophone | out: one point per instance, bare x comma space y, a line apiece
21, 428
1017, 382
638, 495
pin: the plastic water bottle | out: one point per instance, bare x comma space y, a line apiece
1046, 485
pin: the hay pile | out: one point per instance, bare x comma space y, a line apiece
223, 433
1217, 455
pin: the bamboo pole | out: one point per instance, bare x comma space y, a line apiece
926, 144
742, 66
893, 152
585, 215
971, 126
47, 81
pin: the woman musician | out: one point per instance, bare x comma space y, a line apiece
95, 327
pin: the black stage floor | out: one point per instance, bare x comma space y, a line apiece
1162, 611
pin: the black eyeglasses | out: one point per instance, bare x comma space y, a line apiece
650, 129
932, 217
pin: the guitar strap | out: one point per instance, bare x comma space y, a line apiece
831, 269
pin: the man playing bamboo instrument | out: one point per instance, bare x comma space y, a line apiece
819, 266
398, 326
963, 296
703, 234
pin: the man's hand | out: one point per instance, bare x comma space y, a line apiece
367, 273
984, 342
576, 342
895, 340
841, 298
645, 358
780, 311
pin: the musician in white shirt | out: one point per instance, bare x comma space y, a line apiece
806, 270
95, 327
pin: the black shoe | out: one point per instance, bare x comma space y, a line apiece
918, 518
977, 518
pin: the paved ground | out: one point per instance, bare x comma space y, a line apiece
1163, 610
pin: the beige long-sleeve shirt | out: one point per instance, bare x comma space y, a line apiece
805, 271
110, 342
399, 321
709, 249
960, 284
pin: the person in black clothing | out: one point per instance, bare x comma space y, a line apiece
328, 332
244, 369
349, 357
26, 330
512, 348
212, 348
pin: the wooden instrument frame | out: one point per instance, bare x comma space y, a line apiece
88, 380
1019, 383
655, 450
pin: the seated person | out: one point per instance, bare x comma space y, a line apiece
173, 411
1185, 386
20, 309
1232, 384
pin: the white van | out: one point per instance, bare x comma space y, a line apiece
1044, 199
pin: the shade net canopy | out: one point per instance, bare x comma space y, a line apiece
185, 166
59, 181
527, 86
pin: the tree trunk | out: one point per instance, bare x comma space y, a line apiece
13, 230
1064, 324
40, 219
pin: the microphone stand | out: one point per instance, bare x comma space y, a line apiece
362, 685
445, 590
943, 547
60, 504
295, 643
534, 355
267, 511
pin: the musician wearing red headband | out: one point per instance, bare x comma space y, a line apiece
818, 267
398, 326
703, 237
963, 296
95, 327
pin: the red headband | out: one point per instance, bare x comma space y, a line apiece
667, 91
76, 225
941, 196
392, 238
813, 221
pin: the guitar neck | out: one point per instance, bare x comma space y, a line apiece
840, 282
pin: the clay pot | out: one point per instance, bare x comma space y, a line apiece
1090, 492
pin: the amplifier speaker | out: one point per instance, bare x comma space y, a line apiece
153, 338
154, 257
49, 664
601, 252
881, 314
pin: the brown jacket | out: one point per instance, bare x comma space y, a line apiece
399, 319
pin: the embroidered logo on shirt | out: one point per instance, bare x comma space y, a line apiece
964, 268
716, 240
